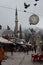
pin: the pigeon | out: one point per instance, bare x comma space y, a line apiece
36, 0
35, 4
26, 6
24, 10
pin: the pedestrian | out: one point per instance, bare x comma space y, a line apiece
1, 54
27, 49
32, 48
35, 48
11, 47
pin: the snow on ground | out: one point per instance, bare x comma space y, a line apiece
19, 58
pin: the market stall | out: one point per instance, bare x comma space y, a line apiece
5, 43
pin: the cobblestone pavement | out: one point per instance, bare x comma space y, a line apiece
19, 58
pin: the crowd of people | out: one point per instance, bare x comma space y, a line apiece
26, 49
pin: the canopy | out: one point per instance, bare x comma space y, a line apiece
2, 40
19, 43
28, 44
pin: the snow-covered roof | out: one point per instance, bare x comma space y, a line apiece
2, 40
1, 31
8, 32
29, 44
5, 31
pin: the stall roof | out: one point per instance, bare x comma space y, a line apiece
2, 40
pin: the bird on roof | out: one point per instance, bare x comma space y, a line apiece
26, 6
35, 4
36, 0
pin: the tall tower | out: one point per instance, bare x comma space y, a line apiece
16, 24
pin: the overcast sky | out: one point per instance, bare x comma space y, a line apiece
7, 16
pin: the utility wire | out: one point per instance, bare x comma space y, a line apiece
7, 7
19, 10
15, 9
12, 9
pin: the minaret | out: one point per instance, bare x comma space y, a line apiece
16, 24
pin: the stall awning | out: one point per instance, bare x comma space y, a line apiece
2, 40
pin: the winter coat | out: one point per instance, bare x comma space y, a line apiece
1, 54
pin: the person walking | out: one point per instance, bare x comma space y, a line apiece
35, 48
12, 49
27, 49
1, 54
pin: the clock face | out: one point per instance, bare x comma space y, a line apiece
34, 19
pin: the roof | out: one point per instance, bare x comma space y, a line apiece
2, 40
7, 32
1, 31
41, 31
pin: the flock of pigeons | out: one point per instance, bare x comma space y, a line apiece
27, 5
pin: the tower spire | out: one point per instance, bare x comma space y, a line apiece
16, 24
16, 12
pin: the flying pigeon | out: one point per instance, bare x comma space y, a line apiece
35, 4
24, 10
36, 0
26, 6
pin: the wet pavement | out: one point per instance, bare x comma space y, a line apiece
19, 58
